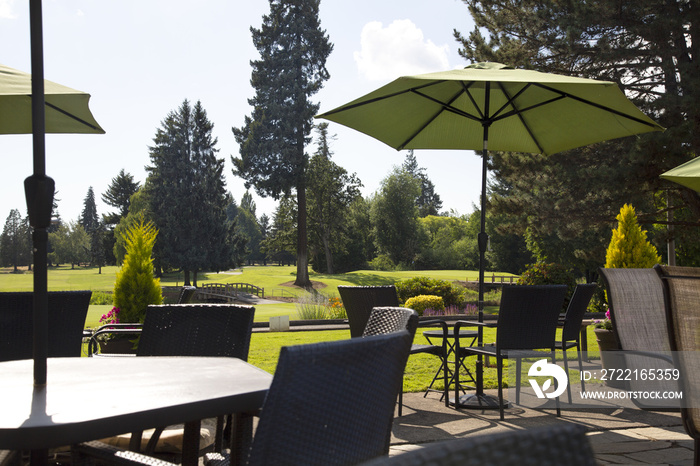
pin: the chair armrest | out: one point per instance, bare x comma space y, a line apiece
112, 329
472, 323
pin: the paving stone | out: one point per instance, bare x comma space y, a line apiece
666, 456
632, 447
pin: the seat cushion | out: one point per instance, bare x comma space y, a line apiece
170, 440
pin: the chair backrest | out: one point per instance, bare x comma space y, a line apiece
550, 445
385, 320
186, 294
360, 300
67, 311
576, 309
197, 330
528, 315
637, 309
638, 314
332, 402
682, 294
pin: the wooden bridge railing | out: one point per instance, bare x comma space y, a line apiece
229, 290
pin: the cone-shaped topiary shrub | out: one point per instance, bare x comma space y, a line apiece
136, 287
629, 247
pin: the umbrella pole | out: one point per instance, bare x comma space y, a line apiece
480, 400
39, 191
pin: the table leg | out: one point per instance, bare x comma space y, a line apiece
39, 457
241, 437
190, 443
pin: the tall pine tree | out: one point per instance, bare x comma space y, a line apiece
292, 67
118, 195
187, 195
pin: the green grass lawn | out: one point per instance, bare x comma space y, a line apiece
265, 348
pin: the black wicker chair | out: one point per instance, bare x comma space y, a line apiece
638, 314
67, 312
385, 320
682, 296
527, 320
571, 333
552, 445
360, 300
217, 330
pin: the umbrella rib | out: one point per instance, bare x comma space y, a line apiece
443, 106
376, 99
80, 120
593, 104
511, 101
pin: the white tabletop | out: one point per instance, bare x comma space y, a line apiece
92, 398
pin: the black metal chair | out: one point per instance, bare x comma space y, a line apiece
551, 445
682, 297
640, 324
329, 404
383, 320
216, 330
527, 320
186, 294
67, 312
571, 332
360, 300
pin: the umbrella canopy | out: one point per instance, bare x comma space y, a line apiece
492, 106
66, 110
524, 111
687, 174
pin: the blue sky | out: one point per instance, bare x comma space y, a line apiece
139, 59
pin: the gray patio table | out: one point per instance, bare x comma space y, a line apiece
92, 398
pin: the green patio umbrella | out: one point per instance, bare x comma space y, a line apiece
687, 174
66, 110
492, 106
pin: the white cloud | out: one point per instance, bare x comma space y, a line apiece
6, 9
397, 50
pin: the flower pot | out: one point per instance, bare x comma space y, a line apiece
610, 358
117, 346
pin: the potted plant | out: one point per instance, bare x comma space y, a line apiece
608, 345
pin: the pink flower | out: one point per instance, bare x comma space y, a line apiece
607, 314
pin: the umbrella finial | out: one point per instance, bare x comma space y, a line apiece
488, 65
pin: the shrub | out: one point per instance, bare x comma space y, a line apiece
382, 262
450, 293
542, 273
629, 247
467, 310
422, 302
135, 287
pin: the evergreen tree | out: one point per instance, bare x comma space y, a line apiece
15, 242
292, 67
429, 202
118, 195
279, 244
187, 196
629, 247
135, 287
89, 219
331, 191
247, 203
